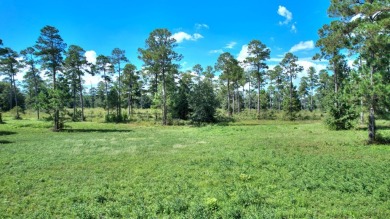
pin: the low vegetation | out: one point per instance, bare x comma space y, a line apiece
249, 168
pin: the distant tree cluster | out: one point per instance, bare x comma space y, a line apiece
361, 29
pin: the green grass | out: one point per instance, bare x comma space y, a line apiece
249, 169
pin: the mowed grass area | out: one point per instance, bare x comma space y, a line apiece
252, 169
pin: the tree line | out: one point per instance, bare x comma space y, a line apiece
359, 28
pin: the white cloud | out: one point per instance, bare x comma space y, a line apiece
216, 51
306, 65
230, 45
282, 11
307, 45
196, 36
276, 59
243, 53
90, 80
181, 36
201, 26
91, 56
358, 16
293, 28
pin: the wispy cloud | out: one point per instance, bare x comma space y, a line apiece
282, 11
201, 26
293, 28
181, 36
216, 51
230, 45
307, 45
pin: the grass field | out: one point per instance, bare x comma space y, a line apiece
248, 169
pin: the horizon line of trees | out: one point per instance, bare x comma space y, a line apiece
360, 27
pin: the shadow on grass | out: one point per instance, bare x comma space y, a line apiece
5, 142
2, 133
378, 128
380, 140
95, 130
245, 124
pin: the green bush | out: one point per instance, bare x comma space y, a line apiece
341, 116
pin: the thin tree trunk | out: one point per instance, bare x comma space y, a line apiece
129, 100
35, 91
155, 91
258, 96
234, 100
81, 99
11, 102
335, 76
164, 122
228, 99
270, 95
371, 125
250, 97
56, 110
128, 105
15, 96
243, 98
311, 98
237, 101
361, 111
74, 103
291, 87
119, 112
106, 84
131, 104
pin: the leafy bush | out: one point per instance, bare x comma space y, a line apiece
203, 103
116, 118
341, 116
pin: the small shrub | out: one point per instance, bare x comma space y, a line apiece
341, 117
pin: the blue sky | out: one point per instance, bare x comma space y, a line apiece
203, 29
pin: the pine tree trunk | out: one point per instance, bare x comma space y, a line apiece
371, 126
81, 100
74, 104
258, 96
11, 95
36, 92
128, 105
164, 122
119, 112
250, 97
361, 111
371, 122
335, 75
291, 87
228, 99
270, 101
311, 99
155, 91
106, 86
16, 97
56, 127
129, 101
234, 100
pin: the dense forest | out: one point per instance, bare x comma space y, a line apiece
359, 30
